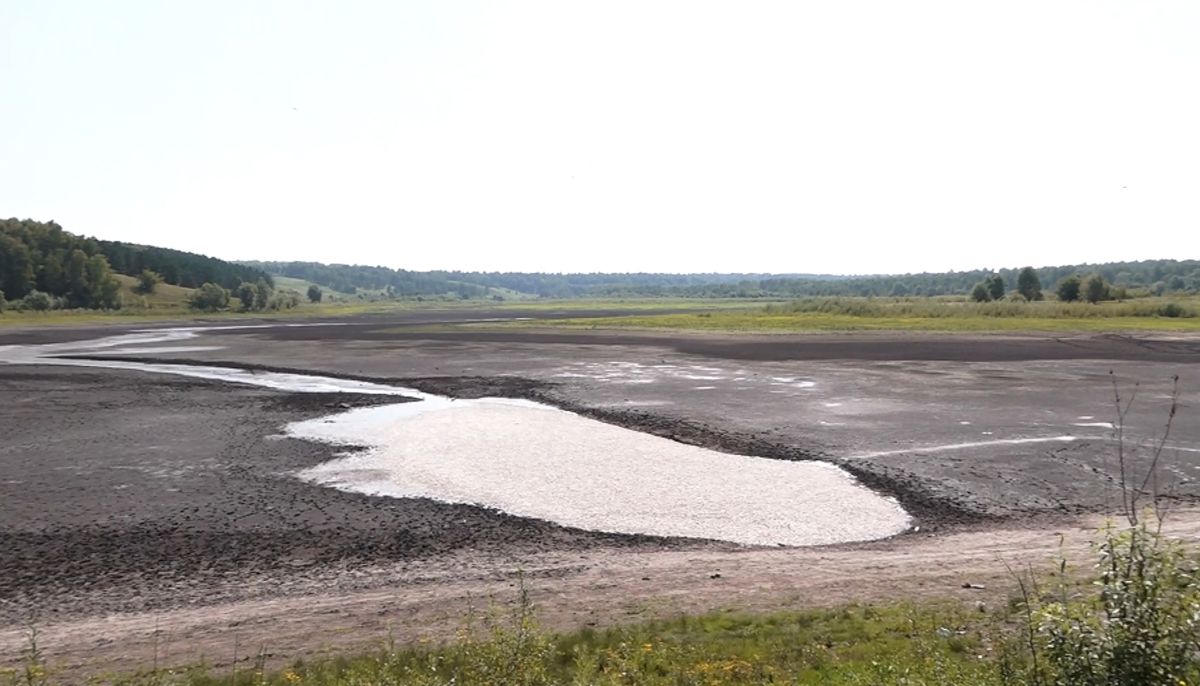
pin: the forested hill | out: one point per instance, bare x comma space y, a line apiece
187, 269
1153, 275
42, 256
351, 278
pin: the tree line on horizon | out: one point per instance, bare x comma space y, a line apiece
1148, 276
42, 266
50, 267
350, 279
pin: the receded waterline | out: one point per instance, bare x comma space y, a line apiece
967, 445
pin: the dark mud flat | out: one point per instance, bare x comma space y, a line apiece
866, 346
127, 491
930, 508
877, 402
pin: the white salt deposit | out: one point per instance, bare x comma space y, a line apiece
535, 461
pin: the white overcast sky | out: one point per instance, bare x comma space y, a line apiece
831, 136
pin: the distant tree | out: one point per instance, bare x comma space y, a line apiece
995, 287
256, 297
1095, 288
899, 290
148, 280
1068, 289
16, 267
1028, 284
246, 293
210, 297
104, 291
262, 294
980, 293
89, 282
3, 301
314, 293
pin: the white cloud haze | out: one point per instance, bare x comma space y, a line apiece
859, 137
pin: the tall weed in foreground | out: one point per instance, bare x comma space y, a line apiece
1139, 621
1139, 626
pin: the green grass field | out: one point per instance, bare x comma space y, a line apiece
714, 315
301, 287
756, 322
910, 314
165, 296
169, 303
648, 304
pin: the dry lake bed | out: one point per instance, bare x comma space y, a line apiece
416, 458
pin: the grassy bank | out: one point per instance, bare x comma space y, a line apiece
914, 314
181, 312
938, 644
720, 315
170, 305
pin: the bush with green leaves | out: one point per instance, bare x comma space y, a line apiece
259, 296
245, 294
1140, 626
209, 298
980, 293
314, 293
37, 301
1175, 310
148, 280
284, 299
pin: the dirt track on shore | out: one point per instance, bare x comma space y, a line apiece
598, 587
